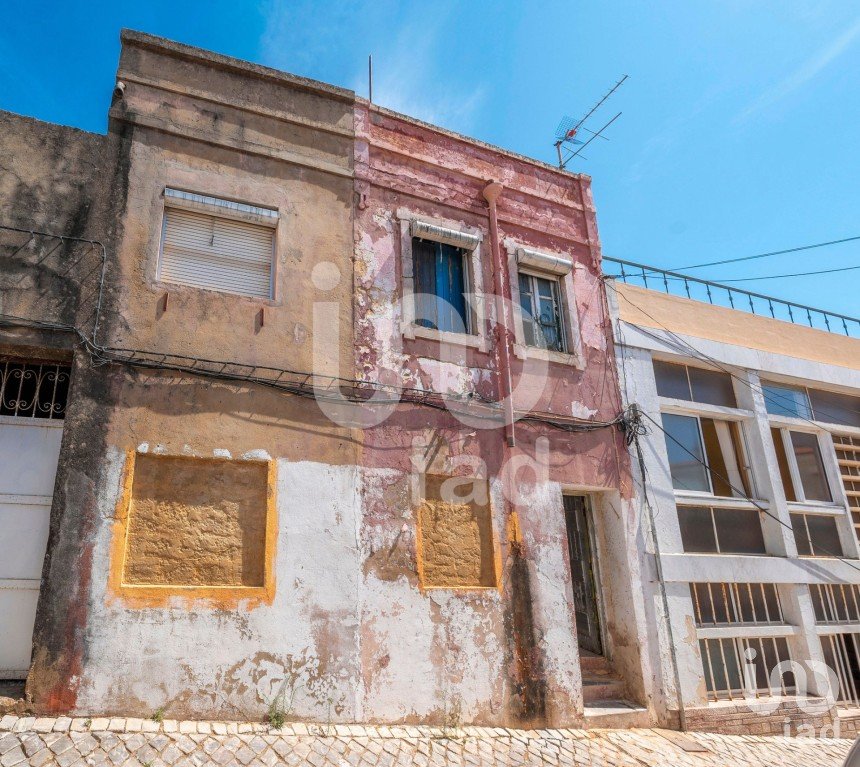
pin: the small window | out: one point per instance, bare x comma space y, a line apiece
30, 389
816, 535
217, 245
835, 602
686, 453
706, 455
732, 665
717, 604
694, 384
441, 278
800, 466
786, 400
835, 408
721, 531
542, 315
848, 457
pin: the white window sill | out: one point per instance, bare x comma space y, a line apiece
683, 498
730, 631
444, 337
816, 507
523, 352
686, 407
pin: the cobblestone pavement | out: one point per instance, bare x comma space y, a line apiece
114, 742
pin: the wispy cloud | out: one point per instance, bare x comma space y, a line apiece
804, 74
407, 64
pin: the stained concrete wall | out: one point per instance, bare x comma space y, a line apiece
223, 128
66, 182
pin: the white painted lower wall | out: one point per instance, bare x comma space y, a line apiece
340, 641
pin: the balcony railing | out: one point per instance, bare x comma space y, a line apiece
720, 294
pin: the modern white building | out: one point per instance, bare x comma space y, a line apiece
751, 463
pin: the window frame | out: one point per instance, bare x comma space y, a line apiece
785, 428
448, 232
222, 208
718, 550
468, 319
810, 406
793, 515
731, 417
732, 409
555, 281
558, 267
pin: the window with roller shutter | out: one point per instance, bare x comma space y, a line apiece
217, 245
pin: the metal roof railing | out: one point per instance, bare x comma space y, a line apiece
719, 294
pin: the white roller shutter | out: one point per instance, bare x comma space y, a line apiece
216, 253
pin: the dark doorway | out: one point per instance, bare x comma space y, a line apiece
577, 518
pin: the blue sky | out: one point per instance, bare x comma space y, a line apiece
739, 132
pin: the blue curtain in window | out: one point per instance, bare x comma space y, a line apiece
439, 286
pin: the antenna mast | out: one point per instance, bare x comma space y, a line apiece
568, 128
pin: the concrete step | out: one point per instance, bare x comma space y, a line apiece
594, 691
616, 714
589, 662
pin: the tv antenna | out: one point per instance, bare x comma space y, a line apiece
568, 143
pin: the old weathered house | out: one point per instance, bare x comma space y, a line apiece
313, 408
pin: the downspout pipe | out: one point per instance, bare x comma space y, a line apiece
504, 322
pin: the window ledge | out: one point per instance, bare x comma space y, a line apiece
838, 627
179, 288
718, 502
811, 507
523, 352
684, 407
444, 337
729, 631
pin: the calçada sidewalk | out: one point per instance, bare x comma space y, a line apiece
40, 742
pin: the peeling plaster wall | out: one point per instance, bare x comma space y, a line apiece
67, 182
212, 125
405, 168
349, 633
212, 661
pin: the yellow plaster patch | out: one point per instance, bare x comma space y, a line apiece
455, 541
194, 528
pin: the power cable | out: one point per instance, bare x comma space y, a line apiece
766, 255
356, 390
796, 274
635, 431
702, 356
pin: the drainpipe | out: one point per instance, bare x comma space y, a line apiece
503, 320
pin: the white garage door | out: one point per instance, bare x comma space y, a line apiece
32, 407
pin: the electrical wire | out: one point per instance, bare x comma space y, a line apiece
702, 356
767, 255
357, 392
635, 431
796, 274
